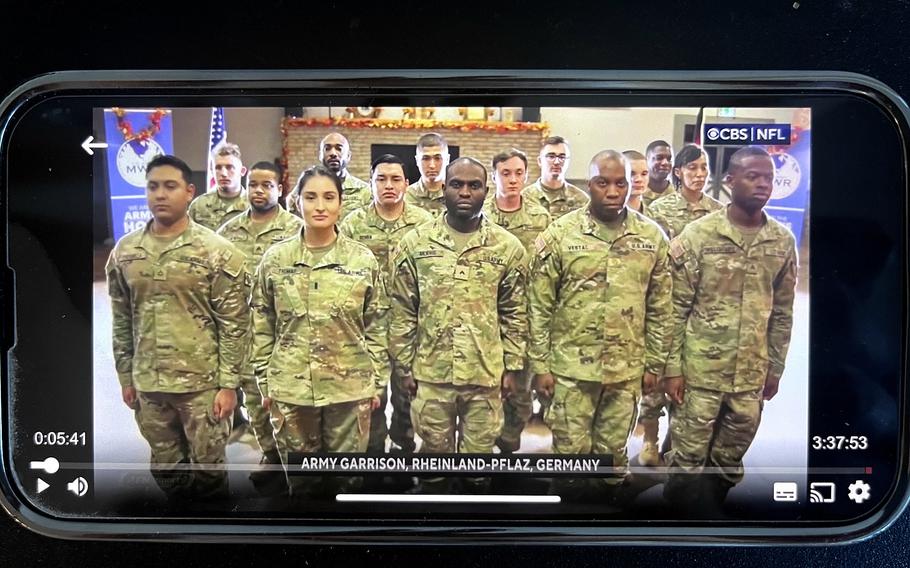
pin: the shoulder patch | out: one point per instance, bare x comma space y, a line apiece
677, 251
233, 263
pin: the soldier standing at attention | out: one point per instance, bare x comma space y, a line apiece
459, 322
180, 329
525, 220
215, 208
263, 224
659, 155
432, 159
335, 154
551, 190
319, 335
734, 280
673, 212
381, 226
638, 178
688, 202
599, 301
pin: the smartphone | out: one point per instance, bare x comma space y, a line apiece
453, 306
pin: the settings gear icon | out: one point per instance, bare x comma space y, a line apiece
858, 491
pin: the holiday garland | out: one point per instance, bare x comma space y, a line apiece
422, 124
147, 133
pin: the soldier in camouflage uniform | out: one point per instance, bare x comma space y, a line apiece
459, 321
216, 208
263, 224
734, 280
599, 302
335, 154
180, 329
638, 180
551, 190
319, 346
432, 159
659, 155
673, 212
525, 220
380, 227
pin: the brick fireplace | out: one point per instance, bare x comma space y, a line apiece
476, 139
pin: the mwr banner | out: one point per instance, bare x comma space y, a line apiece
134, 137
792, 172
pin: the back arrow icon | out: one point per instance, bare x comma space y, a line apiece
88, 145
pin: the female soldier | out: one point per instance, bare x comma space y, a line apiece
673, 212
319, 335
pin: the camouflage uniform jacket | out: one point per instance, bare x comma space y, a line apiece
673, 212
650, 195
356, 193
557, 203
211, 211
459, 318
600, 309
239, 231
417, 194
319, 328
181, 321
525, 223
733, 304
380, 236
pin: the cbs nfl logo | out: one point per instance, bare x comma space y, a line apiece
747, 134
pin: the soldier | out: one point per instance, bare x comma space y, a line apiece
688, 201
660, 163
380, 227
734, 280
216, 208
263, 224
599, 303
673, 212
551, 190
432, 161
525, 220
180, 328
335, 154
459, 321
319, 335
638, 173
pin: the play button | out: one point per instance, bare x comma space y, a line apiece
42, 485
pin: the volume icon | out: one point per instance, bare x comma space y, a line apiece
78, 486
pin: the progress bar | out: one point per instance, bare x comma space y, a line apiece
393, 498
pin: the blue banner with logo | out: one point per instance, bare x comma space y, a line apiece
134, 137
792, 173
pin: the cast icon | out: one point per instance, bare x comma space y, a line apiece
821, 492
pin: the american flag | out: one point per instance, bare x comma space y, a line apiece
218, 135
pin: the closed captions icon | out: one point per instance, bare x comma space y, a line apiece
785, 491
